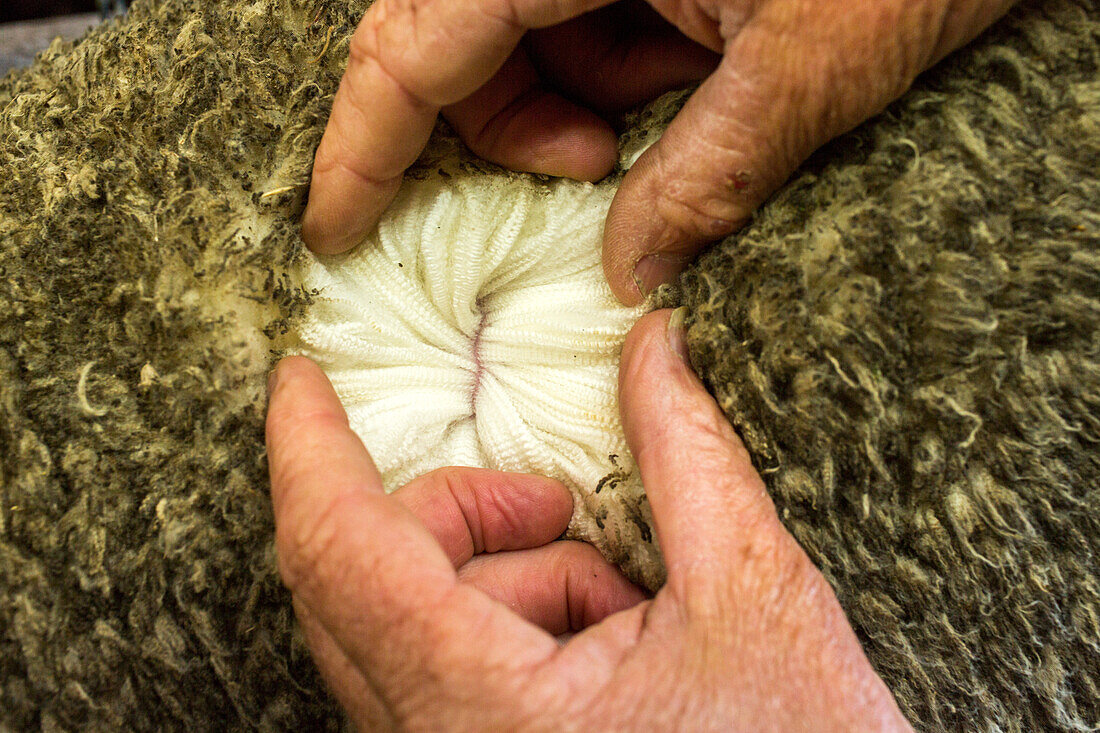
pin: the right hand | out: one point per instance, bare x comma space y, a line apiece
435, 608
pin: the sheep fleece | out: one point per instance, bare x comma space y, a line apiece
906, 336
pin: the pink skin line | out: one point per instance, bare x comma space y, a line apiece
478, 366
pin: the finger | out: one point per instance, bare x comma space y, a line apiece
375, 131
472, 510
790, 80
735, 141
618, 57
372, 575
709, 503
737, 581
564, 586
962, 21
514, 121
333, 520
403, 66
699, 182
350, 687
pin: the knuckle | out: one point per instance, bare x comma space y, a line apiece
463, 496
363, 46
389, 42
765, 558
710, 424
572, 560
306, 547
406, 39
695, 210
502, 11
501, 518
585, 566
294, 437
747, 595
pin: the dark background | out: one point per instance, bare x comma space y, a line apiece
27, 9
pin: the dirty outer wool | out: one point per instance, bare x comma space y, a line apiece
905, 336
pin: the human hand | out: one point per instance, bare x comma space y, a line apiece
791, 75
436, 607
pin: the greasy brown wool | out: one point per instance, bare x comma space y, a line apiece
907, 336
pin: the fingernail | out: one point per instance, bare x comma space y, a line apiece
677, 334
655, 270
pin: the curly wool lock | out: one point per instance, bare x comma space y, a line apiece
906, 336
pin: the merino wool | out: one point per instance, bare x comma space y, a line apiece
906, 337
474, 327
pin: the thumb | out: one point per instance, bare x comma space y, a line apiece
780, 91
708, 501
751, 600
698, 183
791, 78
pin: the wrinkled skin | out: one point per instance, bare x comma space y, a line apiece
438, 607
781, 78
